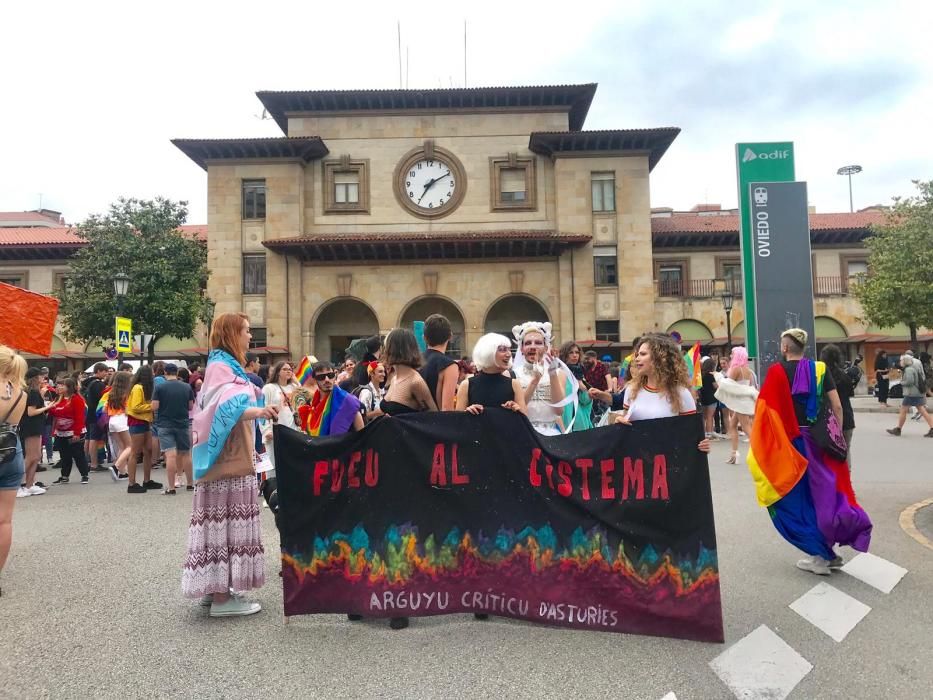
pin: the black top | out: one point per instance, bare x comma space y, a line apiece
489, 390
846, 391
708, 391
32, 426
434, 363
881, 363
394, 408
800, 409
173, 396
95, 389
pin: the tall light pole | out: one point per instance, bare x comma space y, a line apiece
727, 301
121, 285
850, 170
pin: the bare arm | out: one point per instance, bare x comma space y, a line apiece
446, 387
519, 397
463, 395
155, 405
358, 422
422, 395
557, 389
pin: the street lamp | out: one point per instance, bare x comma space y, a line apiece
209, 306
727, 299
850, 170
121, 285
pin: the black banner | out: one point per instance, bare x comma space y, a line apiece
609, 529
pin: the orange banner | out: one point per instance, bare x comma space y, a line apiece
27, 320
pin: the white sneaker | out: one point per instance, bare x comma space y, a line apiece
235, 606
23, 492
815, 565
36, 490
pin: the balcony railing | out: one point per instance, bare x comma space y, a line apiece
827, 286
695, 289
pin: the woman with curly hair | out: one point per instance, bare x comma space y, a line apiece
660, 386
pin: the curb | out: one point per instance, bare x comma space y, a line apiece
908, 525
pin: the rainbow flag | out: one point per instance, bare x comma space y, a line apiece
303, 371
625, 365
692, 358
102, 404
807, 492
333, 415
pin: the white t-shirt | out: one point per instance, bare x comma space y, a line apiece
651, 404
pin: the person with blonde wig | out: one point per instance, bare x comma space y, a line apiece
12, 467
491, 387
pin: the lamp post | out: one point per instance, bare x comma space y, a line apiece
850, 170
727, 299
121, 285
209, 306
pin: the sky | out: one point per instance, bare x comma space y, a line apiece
92, 93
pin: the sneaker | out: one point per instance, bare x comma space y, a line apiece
916, 416
36, 490
235, 606
122, 477
42, 486
99, 468
114, 474
23, 492
40, 468
191, 488
815, 565
153, 485
135, 488
929, 433
894, 431
836, 562
85, 480
168, 492
61, 480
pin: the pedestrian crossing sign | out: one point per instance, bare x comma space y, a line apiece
124, 334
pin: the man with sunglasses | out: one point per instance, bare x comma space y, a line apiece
332, 410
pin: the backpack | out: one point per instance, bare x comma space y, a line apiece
9, 435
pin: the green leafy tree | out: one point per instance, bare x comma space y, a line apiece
899, 286
167, 271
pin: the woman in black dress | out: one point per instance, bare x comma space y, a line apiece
492, 386
881, 377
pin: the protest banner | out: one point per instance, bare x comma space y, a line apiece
609, 529
28, 320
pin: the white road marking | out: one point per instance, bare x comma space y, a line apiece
761, 665
670, 696
875, 571
834, 612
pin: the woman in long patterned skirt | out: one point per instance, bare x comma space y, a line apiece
225, 554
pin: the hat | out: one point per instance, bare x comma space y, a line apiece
171, 368
798, 334
32, 373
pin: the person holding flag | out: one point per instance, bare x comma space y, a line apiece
332, 410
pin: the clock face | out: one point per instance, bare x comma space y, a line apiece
430, 183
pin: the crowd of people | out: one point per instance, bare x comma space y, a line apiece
210, 429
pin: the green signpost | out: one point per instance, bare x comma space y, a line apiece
757, 162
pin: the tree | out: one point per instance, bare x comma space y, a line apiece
899, 286
167, 269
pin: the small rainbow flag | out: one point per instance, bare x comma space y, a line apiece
625, 364
692, 358
102, 404
303, 371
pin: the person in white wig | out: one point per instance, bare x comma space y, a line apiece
491, 386
542, 377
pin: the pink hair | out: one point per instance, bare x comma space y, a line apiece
739, 357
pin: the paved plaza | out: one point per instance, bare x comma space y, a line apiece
91, 608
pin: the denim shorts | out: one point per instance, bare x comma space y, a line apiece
11, 472
175, 439
139, 429
914, 401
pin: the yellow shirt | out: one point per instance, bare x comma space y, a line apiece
137, 406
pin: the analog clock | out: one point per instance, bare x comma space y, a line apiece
430, 182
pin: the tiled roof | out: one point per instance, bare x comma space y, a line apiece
65, 236
575, 99
36, 216
653, 142
729, 223
200, 151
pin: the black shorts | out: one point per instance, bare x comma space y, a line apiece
94, 432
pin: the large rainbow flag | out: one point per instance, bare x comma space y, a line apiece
102, 404
329, 416
692, 358
807, 492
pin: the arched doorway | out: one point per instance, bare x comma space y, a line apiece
828, 329
421, 308
691, 331
511, 310
339, 323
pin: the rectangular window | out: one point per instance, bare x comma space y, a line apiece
605, 266
671, 280
607, 330
732, 274
14, 280
512, 185
254, 274
254, 199
604, 192
856, 268
347, 187
259, 338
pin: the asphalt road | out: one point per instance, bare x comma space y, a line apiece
91, 608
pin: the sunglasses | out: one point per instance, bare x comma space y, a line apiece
328, 375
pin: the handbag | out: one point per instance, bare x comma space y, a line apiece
9, 434
827, 433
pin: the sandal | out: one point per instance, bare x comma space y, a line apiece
733, 458
168, 492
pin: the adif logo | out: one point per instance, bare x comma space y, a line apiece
749, 155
